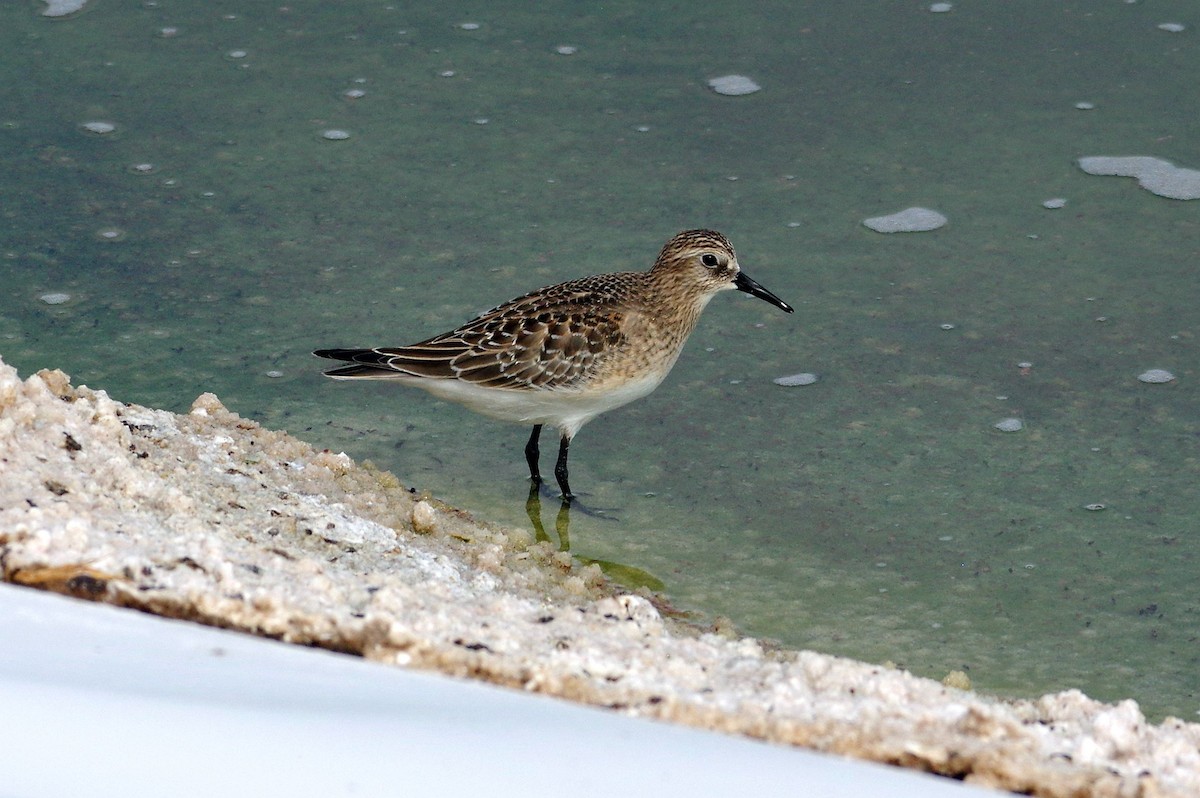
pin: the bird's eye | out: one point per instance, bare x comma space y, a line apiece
709, 260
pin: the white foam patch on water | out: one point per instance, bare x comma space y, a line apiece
909, 220
61, 8
733, 85
803, 378
1153, 174
1156, 376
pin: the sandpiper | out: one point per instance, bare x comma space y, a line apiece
564, 354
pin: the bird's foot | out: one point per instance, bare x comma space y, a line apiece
576, 504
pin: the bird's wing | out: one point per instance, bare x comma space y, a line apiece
552, 338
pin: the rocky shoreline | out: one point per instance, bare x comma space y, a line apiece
212, 518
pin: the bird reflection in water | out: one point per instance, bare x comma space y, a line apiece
628, 576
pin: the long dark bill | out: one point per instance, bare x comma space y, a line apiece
744, 283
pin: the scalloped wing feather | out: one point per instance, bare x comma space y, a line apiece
553, 338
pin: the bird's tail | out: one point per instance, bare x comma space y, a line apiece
368, 364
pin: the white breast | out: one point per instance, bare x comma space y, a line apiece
565, 409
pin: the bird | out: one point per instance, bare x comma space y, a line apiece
562, 355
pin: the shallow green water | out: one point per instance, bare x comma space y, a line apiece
876, 514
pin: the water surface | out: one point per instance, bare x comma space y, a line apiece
215, 237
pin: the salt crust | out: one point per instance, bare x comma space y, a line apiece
210, 517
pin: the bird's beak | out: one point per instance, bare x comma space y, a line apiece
744, 283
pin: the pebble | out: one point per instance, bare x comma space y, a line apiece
1009, 425
566, 49
1095, 508
1172, 27
1052, 204
55, 298
1156, 376
1085, 106
909, 220
941, 8
733, 85
335, 135
803, 378
99, 128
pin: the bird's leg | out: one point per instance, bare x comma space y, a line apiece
560, 468
569, 500
531, 454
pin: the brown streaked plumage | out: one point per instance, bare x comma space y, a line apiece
563, 354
